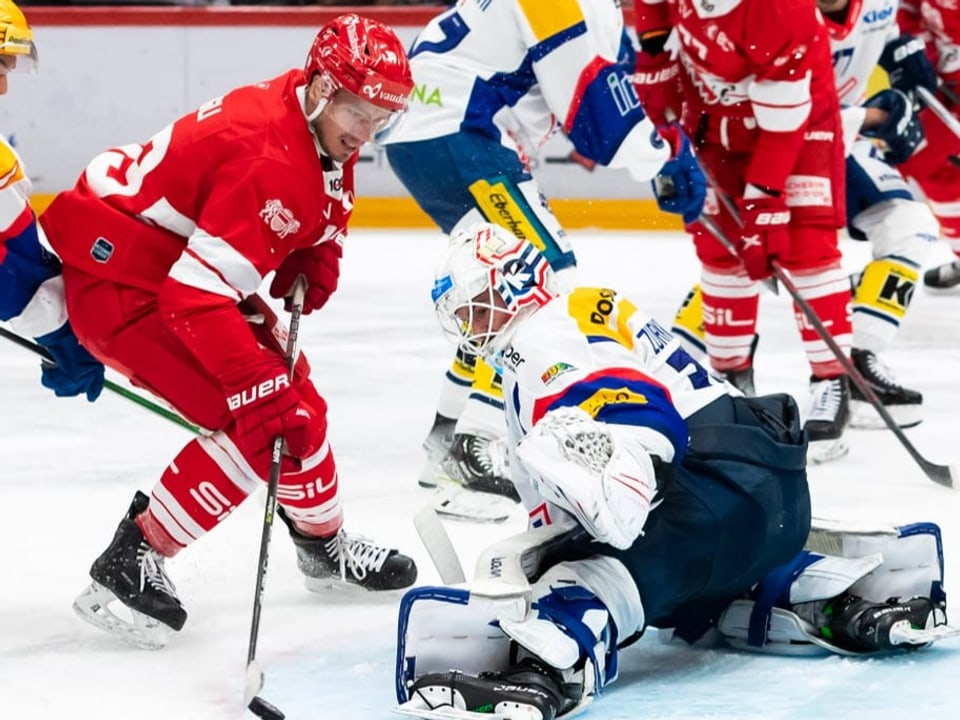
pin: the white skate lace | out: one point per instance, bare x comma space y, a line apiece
491, 455
152, 572
357, 554
880, 374
826, 396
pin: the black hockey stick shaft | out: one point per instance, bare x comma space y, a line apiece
108, 384
940, 474
254, 679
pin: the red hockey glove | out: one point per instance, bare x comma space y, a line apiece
657, 82
321, 266
271, 407
765, 233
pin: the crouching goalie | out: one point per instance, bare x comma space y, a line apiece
658, 496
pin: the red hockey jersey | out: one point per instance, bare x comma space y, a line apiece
938, 23
762, 61
202, 211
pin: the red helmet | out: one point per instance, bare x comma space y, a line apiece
364, 57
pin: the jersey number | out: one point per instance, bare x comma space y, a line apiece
454, 31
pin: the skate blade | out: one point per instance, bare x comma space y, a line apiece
824, 451
863, 416
95, 606
902, 635
429, 705
457, 503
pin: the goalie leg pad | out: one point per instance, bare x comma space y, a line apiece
441, 628
872, 563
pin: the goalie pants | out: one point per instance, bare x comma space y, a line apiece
214, 473
735, 508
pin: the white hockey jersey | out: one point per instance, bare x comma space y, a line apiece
517, 70
858, 43
592, 347
856, 46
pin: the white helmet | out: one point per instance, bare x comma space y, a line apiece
487, 279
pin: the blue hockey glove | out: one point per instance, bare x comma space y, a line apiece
75, 370
680, 187
906, 62
901, 131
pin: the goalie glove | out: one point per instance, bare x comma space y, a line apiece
901, 132
581, 466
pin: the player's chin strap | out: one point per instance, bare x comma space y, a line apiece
568, 618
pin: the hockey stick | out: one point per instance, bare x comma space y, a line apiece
254, 677
438, 545
938, 109
941, 474
108, 384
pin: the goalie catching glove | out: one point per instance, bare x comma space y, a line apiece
606, 482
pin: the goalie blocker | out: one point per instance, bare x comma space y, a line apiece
534, 638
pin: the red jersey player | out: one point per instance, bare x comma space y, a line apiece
938, 23
164, 246
753, 85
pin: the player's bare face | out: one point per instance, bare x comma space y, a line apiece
347, 122
484, 317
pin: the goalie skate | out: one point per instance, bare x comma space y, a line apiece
457, 503
96, 605
515, 694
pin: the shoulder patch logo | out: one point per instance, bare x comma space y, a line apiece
279, 219
555, 371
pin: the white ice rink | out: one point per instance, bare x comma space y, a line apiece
69, 469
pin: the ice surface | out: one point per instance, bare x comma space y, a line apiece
69, 469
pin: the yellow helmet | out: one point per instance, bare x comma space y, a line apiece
16, 37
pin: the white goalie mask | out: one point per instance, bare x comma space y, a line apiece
487, 279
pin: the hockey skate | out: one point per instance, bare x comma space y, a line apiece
469, 473
130, 574
863, 626
436, 446
351, 559
904, 405
828, 413
528, 691
943, 278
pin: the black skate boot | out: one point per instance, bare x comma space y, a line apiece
132, 572
904, 405
527, 691
828, 413
436, 446
943, 277
742, 380
478, 464
863, 626
349, 558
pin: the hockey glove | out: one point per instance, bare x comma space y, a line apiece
901, 132
74, 370
680, 187
320, 264
270, 407
765, 233
906, 62
657, 83
580, 465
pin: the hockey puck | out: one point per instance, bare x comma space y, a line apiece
262, 709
